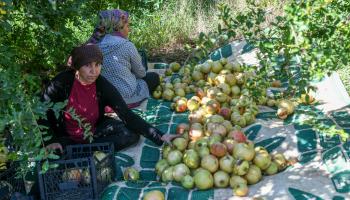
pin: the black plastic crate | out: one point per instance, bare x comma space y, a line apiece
105, 168
10, 182
80, 175
72, 179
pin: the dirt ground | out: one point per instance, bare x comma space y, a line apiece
169, 54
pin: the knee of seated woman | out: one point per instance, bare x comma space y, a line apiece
130, 141
134, 138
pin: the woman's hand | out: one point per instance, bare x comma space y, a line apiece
167, 138
54, 146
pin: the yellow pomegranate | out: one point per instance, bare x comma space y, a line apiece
154, 195
307, 99
288, 105
282, 113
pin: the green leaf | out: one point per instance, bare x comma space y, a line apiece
53, 166
268, 45
44, 167
47, 138
53, 156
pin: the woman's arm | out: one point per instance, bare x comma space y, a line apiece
131, 120
55, 91
135, 61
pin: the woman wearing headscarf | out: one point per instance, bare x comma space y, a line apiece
122, 64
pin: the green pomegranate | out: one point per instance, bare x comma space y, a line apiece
253, 175
179, 171
235, 180
243, 151
191, 159
174, 157
221, 179
187, 182
272, 169
167, 174
210, 163
161, 166
203, 179
131, 174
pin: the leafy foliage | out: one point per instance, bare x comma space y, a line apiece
20, 114
35, 38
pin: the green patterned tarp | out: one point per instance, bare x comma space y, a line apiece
323, 170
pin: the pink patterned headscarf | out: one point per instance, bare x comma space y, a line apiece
109, 22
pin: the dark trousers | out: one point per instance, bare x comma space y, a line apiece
115, 131
152, 79
110, 130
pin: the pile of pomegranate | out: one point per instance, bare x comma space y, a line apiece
211, 150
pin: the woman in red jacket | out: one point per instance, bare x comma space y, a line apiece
88, 93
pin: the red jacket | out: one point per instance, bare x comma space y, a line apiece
58, 90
